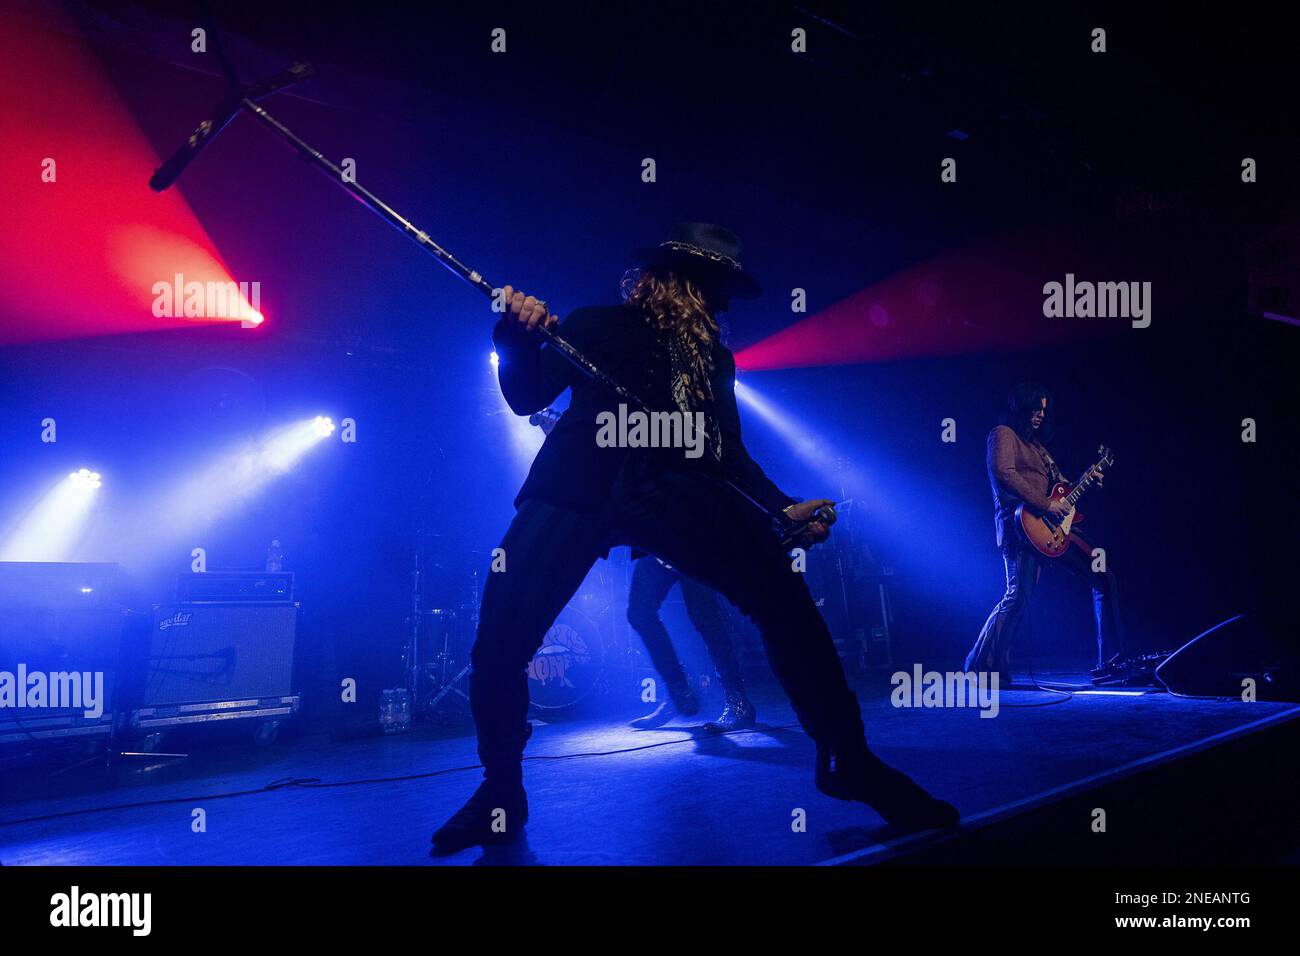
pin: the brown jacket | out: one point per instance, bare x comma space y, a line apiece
1019, 471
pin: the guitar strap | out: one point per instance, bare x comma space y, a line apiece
1053, 471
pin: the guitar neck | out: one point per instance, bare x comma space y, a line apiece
1082, 485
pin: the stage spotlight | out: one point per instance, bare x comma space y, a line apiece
820, 453
52, 528
85, 478
221, 484
130, 240
970, 299
281, 449
795, 433
525, 439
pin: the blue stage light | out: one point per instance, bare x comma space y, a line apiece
53, 527
85, 478
525, 439
796, 433
219, 485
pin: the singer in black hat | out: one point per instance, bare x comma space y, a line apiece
585, 494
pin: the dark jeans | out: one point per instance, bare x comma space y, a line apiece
695, 524
651, 582
992, 650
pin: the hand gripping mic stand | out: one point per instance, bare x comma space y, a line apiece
245, 98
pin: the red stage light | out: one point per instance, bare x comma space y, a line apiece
986, 297
88, 252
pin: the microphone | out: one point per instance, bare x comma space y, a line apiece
204, 133
207, 131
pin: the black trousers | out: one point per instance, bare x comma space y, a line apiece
651, 582
695, 524
992, 650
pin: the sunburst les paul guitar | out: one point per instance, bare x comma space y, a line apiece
1050, 534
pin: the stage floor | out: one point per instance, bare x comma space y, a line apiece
601, 793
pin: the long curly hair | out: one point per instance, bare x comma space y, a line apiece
675, 303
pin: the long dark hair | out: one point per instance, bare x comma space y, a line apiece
676, 302
1022, 402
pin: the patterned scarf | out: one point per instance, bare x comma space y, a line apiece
687, 366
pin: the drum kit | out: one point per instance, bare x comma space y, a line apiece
584, 656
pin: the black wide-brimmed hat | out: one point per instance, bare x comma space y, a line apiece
702, 247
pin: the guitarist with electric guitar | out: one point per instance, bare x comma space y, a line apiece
1036, 514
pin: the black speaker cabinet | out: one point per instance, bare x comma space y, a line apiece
1215, 663
60, 637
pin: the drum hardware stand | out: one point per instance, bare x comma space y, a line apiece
434, 675
449, 687
411, 646
450, 684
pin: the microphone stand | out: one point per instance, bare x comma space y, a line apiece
246, 100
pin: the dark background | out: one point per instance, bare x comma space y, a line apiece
527, 166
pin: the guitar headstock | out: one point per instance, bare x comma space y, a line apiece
1105, 458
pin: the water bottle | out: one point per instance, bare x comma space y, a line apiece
275, 556
395, 711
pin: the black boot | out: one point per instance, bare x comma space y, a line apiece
737, 714
681, 700
495, 814
864, 777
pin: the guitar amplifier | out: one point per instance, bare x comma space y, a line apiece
218, 661
235, 587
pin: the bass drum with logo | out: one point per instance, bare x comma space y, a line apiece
566, 671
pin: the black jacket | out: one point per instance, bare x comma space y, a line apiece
571, 470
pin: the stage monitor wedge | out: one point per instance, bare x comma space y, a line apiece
1220, 661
